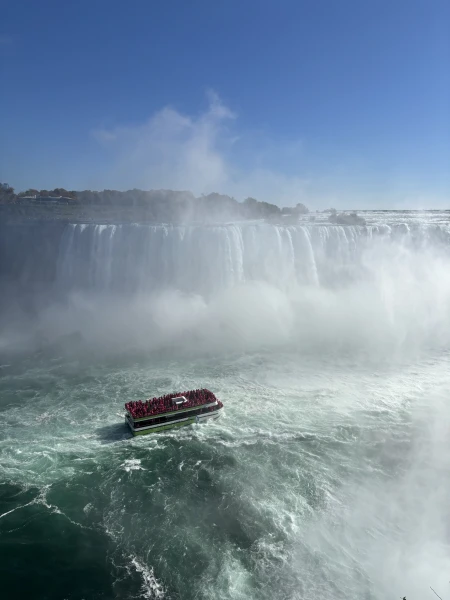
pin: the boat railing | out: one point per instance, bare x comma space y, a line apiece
169, 412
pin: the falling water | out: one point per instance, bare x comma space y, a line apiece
327, 477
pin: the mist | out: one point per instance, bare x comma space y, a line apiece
172, 150
246, 204
328, 345
246, 288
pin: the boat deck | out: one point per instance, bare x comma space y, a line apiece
172, 410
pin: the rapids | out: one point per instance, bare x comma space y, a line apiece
326, 477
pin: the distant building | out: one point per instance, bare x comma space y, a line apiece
55, 199
46, 199
51, 199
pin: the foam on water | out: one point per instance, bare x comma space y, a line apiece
319, 479
327, 475
151, 587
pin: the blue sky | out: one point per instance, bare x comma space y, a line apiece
344, 103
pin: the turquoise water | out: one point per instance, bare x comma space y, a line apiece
327, 475
324, 478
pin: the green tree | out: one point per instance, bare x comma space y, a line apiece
7, 195
301, 209
30, 192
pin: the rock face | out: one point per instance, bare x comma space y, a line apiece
346, 219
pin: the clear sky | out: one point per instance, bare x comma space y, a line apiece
327, 102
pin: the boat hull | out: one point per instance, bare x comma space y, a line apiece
179, 423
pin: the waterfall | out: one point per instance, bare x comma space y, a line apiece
207, 259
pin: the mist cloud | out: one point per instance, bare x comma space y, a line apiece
198, 153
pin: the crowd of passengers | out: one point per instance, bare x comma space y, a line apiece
156, 406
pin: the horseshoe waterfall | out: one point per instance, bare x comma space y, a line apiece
328, 473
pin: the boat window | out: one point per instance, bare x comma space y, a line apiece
173, 417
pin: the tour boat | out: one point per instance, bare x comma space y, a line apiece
172, 410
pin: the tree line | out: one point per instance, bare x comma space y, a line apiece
164, 205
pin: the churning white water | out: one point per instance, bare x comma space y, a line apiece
328, 475
312, 284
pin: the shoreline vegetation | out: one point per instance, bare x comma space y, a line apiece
154, 206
